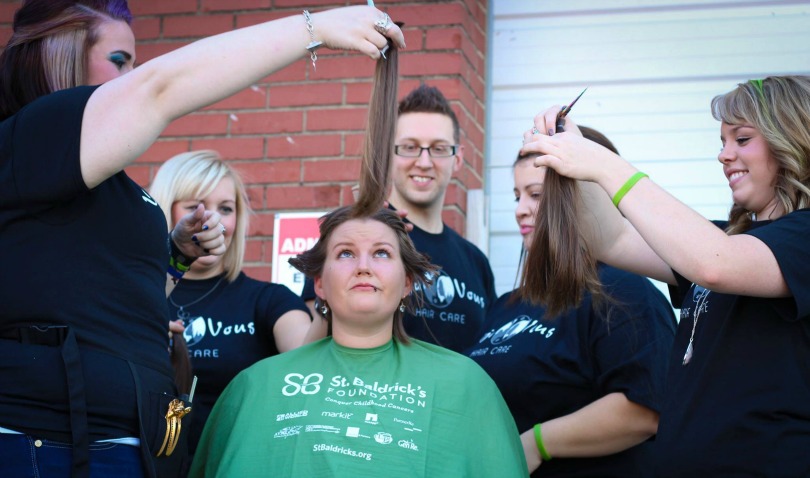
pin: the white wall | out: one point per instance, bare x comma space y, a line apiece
651, 68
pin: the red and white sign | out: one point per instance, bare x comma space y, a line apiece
293, 234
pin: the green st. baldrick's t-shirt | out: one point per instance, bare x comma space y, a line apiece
324, 410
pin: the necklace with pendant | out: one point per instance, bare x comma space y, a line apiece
700, 302
182, 314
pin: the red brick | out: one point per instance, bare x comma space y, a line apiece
420, 14
455, 220
303, 197
473, 55
296, 71
306, 94
478, 36
332, 170
270, 171
353, 144
5, 35
148, 51
212, 5
359, 93
407, 85
477, 11
346, 195
146, 28
355, 66
469, 178
7, 10
430, 64
414, 39
449, 87
162, 150
456, 196
141, 7
302, 146
444, 39
254, 250
197, 124
249, 98
197, 26
260, 272
308, 3
250, 19
266, 123
256, 196
140, 173
337, 119
261, 224
478, 86
232, 148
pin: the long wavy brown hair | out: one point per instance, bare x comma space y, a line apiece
779, 108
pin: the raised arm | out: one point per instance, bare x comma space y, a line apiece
609, 235
126, 115
661, 231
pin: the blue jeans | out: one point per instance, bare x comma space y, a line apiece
22, 456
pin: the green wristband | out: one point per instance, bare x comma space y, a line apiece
626, 187
538, 438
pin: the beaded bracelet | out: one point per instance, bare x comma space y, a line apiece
626, 187
179, 264
538, 438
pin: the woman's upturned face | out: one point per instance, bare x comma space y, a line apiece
363, 278
113, 54
528, 190
222, 200
750, 169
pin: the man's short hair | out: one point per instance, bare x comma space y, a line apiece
428, 99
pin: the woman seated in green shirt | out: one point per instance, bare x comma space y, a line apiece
367, 399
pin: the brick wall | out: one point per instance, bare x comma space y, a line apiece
296, 135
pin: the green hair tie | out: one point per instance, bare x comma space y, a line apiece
760, 89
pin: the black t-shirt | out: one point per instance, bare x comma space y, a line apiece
91, 259
226, 332
457, 301
548, 368
741, 406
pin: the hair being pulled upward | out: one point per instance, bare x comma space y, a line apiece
378, 145
374, 179
779, 108
559, 267
48, 48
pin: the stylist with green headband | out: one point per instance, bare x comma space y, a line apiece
738, 391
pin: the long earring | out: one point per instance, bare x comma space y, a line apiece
402, 307
324, 309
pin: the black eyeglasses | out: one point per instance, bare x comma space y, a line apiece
435, 151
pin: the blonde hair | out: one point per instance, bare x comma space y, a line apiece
195, 175
779, 108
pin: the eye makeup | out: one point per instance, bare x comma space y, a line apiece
119, 58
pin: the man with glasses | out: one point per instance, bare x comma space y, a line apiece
426, 155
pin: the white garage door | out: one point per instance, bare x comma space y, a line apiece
651, 68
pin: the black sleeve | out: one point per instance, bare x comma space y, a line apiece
46, 147
632, 341
276, 301
787, 239
308, 292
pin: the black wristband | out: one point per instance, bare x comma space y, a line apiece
178, 260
